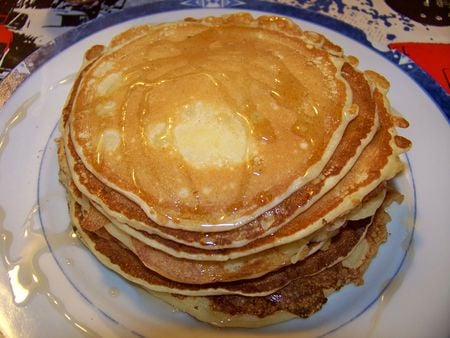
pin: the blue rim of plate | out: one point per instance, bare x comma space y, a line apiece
44, 54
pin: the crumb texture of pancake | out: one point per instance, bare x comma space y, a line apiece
241, 180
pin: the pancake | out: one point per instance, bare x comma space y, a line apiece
240, 180
358, 134
242, 136
366, 209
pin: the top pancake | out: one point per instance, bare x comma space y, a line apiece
357, 135
203, 130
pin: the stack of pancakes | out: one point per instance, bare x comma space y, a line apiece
235, 167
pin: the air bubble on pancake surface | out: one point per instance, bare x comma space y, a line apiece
278, 55
274, 106
233, 267
303, 145
84, 134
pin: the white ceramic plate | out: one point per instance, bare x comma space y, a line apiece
50, 283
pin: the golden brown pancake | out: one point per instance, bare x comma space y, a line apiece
99, 220
203, 272
367, 209
245, 267
240, 138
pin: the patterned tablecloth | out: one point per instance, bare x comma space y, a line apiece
419, 29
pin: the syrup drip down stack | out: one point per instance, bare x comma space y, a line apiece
235, 167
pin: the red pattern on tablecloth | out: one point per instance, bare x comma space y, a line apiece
434, 58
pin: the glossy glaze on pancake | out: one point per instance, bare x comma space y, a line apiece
181, 269
175, 248
195, 127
